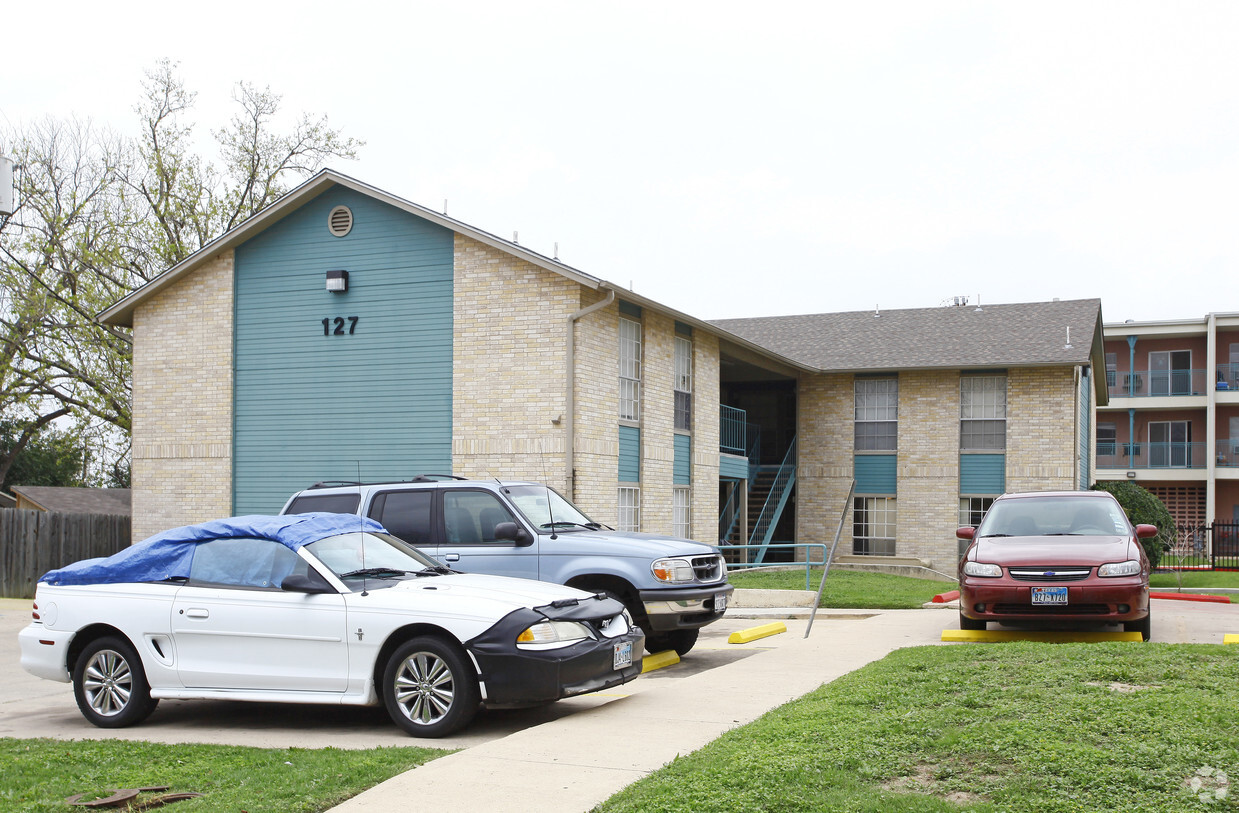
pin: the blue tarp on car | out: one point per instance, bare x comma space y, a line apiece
168, 555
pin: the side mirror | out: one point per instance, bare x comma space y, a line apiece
1146, 531
310, 582
967, 532
513, 532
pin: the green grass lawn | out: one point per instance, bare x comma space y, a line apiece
1195, 579
1011, 727
36, 776
848, 588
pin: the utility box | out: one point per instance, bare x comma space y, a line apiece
6, 186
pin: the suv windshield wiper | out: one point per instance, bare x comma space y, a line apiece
376, 572
561, 523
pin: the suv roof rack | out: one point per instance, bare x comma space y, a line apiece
421, 478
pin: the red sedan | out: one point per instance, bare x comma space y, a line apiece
1061, 556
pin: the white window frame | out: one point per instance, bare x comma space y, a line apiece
683, 384
629, 369
973, 507
681, 512
874, 534
982, 405
628, 515
876, 402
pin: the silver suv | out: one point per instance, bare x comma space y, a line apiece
672, 587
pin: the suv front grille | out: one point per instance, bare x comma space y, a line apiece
1049, 573
708, 568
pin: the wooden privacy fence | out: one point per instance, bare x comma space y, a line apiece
34, 542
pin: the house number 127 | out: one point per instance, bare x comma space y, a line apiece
335, 327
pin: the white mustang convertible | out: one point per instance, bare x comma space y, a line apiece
316, 608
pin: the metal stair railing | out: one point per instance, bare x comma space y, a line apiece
776, 501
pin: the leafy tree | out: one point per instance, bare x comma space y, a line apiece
1144, 508
100, 214
48, 458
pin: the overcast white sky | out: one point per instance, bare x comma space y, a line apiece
742, 159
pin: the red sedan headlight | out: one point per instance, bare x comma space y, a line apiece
979, 569
1129, 568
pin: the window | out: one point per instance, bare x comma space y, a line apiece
873, 526
258, 564
405, 514
1170, 372
629, 518
983, 413
972, 509
1107, 439
681, 517
683, 384
877, 413
470, 517
630, 369
1170, 444
1112, 369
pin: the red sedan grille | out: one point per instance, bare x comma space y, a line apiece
1050, 573
1050, 609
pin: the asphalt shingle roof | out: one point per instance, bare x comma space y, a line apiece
77, 500
1028, 334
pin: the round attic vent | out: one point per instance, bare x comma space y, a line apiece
340, 221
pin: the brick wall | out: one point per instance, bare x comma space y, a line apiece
706, 398
182, 401
1041, 429
824, 455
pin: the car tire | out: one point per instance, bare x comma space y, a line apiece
1144, 626
110, 684
679, 640
429, 688
966, 623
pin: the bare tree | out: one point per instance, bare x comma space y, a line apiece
100, 214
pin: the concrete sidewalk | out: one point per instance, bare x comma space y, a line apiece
576, 762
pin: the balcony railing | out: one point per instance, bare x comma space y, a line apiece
1156, 383
1151, 455
1227, 453
1228, 377
732, 437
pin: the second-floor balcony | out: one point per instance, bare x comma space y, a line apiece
1157, 383
1227, 453
1228, 377
1171, 455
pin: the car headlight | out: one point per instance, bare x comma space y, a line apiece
553, 634
1129, 568
979, 569
675, 571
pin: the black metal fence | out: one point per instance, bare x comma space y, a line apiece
34, 542
1214, 546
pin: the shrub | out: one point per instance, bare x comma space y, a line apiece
1144, 508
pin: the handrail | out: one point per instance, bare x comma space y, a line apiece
808, 563
780, 490
843, 515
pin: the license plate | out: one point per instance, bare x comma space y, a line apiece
1049, 595
623, 655
720, 602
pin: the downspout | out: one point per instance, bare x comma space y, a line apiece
570, 399
1131, 413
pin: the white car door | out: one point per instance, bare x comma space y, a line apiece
234, 628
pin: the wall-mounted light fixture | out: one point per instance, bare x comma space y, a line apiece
1131, 475
337, 281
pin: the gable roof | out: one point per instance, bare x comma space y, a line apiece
70, 500
1021, 335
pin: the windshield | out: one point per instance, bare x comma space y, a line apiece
543, 506
357, 556
1054, 516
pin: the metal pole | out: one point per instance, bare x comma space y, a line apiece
847, 504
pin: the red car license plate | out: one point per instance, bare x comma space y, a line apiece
1049, 595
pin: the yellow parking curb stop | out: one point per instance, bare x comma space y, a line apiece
657, 660
1230, 638
753, 633
1043, 636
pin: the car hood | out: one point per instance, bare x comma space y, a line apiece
630, 544
1057, 550
482, 596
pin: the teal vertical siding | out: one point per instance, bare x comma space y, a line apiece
629, 454
875, 473
682, 471
731, 467
376, 404
982, 473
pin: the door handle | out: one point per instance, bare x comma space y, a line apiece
451, 557
197, 612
